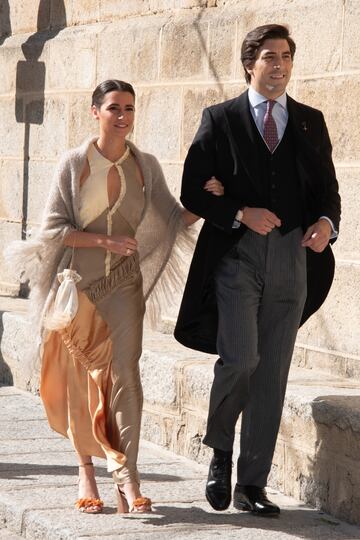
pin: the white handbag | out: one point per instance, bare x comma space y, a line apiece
66, 301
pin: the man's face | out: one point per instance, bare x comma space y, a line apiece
271, 70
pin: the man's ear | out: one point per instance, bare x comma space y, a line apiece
249, 69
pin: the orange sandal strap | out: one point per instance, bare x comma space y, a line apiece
88, 502
141, 502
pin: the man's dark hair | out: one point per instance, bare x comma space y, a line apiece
255, 39
109, 86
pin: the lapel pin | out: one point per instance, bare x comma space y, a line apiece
304, 126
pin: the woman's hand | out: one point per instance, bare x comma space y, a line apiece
122, 245
214, 186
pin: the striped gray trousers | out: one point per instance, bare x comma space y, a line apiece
261, 291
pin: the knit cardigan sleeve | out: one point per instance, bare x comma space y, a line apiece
164, 242
38, 259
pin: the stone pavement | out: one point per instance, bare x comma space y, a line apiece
38, 480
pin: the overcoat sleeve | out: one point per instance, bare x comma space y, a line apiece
200, 165
329, 198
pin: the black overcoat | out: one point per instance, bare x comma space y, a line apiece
224, 147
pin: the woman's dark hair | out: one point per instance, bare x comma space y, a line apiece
255, 39
109, 86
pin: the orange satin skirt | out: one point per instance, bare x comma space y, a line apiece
90, 382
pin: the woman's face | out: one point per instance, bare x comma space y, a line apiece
116, 114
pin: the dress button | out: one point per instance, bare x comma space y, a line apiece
273, 173
273, 186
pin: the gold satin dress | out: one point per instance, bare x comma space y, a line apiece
90, 381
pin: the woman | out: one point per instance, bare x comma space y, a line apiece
104, 194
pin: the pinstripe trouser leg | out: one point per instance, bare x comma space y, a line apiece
261, 290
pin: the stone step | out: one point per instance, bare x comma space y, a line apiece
316, 458
39, 484
305, 356
318, 448
308, 356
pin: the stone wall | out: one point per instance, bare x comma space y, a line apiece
181, 55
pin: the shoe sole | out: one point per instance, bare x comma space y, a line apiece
246, 508
214, 507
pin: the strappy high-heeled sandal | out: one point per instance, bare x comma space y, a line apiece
89, 505
140, 505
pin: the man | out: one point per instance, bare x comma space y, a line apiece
262, 264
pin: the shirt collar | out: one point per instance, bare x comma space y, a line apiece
255, 98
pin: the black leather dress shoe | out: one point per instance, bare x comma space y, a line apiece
254, 499
218, 487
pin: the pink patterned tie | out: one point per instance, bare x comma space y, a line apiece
270, 132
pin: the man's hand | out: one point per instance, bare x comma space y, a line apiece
260, 220
317, 236
214, 186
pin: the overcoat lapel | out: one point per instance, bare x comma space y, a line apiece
299, 125
239, 127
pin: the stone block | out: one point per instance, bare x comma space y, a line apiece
173, 174
276, 477
40, 178
324, 94
327, 362
331, 432
195, 100
5, 23
82, 125
221, 57
50, 138
159, 379
178, 4
11, 132
333, 327
10, 55
128, 50
83, 12
350, 52
344, 496
158, 121
9, 231
194, 431
16, 346
153, 428
184, 52
66, 70
297, 428
196, 384
24, 16
116, 9
11, 187
61, 12
234, 90
31, 82
318, 49
306, 478
347, 246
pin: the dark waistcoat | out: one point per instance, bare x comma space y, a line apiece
279, 180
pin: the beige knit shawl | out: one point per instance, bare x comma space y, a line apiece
39, 259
